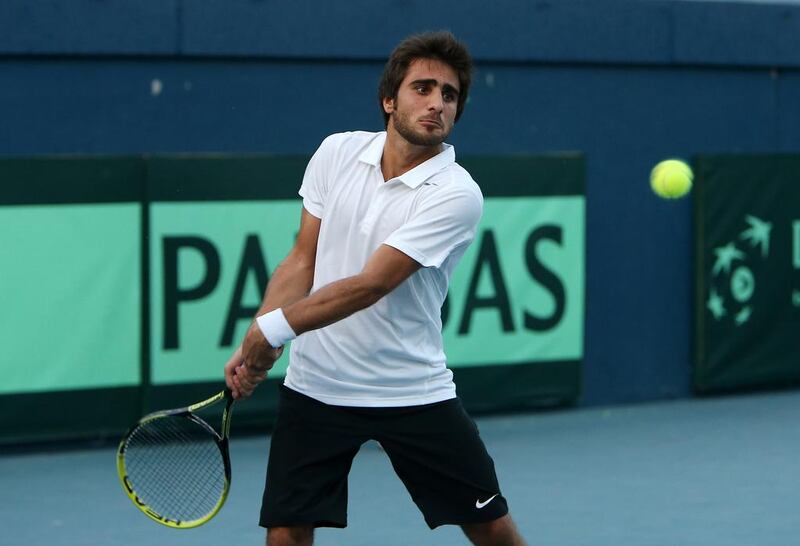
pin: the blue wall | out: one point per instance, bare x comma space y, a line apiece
626, 82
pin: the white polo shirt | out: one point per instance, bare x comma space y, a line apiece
391, 353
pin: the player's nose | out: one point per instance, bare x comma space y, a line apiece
436, 102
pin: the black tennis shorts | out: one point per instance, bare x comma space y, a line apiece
434, 448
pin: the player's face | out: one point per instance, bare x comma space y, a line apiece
425, 108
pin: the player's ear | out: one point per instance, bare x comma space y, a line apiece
388, 105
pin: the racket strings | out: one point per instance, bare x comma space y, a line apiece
175, 467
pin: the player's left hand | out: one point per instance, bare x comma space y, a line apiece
258, 357
245, 380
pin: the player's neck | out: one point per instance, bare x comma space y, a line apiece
400, 156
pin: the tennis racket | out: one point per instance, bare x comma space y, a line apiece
175, 467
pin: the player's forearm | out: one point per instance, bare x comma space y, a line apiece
383, 272
290, 282
332, 303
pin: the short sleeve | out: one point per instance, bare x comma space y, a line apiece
441, 224
319, 171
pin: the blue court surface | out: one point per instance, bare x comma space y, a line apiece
705, 472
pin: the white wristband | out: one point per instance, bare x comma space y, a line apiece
276, 328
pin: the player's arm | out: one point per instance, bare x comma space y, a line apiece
293, 277
384, 271
291, 281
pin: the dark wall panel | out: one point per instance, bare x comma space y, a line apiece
737, 33
104, 106
788, 119
626, 31
70, 27
503, 30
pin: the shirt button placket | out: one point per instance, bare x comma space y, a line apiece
374, 206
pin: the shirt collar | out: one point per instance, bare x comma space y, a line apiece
419, 174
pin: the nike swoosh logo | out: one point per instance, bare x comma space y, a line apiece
479, 504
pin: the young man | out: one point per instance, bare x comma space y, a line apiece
386, 218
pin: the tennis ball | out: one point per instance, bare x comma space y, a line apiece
671, 179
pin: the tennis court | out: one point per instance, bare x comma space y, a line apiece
708, 472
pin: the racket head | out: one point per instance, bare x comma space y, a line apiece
175, 467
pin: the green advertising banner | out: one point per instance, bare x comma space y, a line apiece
513, 318
143, 274
507, 303
210, 263
747, 220
69, 297
517, 296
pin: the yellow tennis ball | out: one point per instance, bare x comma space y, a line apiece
671, 179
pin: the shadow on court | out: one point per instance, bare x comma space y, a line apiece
708, 472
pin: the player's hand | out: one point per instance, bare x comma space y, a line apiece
233, 362
256, 358
259, 355
245, 380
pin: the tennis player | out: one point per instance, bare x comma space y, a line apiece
386, 218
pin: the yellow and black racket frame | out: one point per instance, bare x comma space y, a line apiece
222, 443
